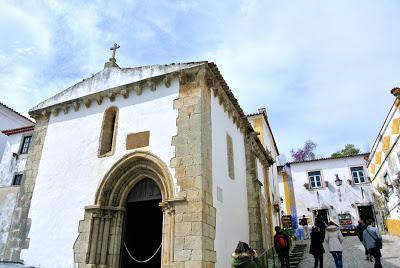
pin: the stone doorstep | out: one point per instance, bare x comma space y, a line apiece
14, 265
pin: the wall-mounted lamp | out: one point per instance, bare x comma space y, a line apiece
338, 181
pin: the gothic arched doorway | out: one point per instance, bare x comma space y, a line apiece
142, 233
102, 233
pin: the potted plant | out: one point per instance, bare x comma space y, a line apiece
326, 183
307, 185
350, 181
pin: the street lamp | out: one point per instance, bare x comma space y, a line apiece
338, 181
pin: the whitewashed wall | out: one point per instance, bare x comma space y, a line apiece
329, 196
11, 120
273, 172
7, 203
232, 219
70, 171
9, 165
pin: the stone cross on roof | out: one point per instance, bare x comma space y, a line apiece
112, 62
114, 49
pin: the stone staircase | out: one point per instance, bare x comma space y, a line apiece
296, 255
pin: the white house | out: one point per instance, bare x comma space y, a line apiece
133, 162
332, 186
15, 138
384, 168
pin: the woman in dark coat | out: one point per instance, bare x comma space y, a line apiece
316, 247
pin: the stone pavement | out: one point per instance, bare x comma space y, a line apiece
353, 254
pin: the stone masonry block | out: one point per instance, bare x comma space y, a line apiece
194, 242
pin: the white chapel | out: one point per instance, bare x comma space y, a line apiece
152, 166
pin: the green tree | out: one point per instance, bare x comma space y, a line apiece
348, 150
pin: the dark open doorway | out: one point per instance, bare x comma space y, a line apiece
321, 213
366, 212
143, 227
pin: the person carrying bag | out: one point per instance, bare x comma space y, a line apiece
372, 240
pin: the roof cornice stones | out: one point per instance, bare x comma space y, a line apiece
134, 88
214, 81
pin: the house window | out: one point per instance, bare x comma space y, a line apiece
315, 179
229, 151
26, 142
108, 131
17, 179
358, 174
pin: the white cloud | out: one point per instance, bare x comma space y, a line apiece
323, 70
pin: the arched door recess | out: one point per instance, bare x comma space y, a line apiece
100, 233
142, 233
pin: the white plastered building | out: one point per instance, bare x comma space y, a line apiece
15, 136
315, 189
155, 155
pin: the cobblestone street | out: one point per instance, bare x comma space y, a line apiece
353, 254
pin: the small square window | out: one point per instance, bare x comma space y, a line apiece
26, 142
358, 175
17, 179
315, 179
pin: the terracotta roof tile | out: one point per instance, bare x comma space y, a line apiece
17, 130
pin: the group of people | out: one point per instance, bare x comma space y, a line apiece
246, 257
369, 235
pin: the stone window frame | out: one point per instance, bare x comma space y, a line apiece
230, 156
14, 179
114, 135
21, 144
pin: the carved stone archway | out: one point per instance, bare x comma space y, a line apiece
99, 241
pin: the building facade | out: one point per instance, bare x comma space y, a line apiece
15, 139
134, 161
287, 197
269, 175
331, 187
384, 168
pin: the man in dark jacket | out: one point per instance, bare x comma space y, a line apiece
282, 247
359, 231
321, 224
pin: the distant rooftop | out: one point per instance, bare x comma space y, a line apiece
327, 158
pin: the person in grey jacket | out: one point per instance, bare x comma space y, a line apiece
370, 236
334, 239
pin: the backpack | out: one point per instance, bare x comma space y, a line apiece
281, 241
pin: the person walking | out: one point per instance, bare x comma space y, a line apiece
321, 224
316, 247
304, 223
334, 239
282, 247
245, 257
359, 231
372, 240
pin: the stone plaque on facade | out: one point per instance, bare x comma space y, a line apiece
137, 140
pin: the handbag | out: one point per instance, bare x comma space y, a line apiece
378, 241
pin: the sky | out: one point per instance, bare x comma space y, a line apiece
322, 69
